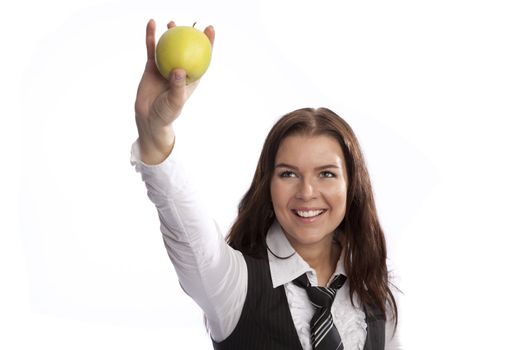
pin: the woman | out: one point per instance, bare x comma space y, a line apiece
305, 266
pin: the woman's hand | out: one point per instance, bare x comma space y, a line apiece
159, 102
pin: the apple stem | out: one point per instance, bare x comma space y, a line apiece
194, 23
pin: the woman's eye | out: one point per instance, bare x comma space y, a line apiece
287, 173
327, 174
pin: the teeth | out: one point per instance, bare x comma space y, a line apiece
309, 213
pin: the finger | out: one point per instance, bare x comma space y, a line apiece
150, 39
210, 33
177, 89
171, 24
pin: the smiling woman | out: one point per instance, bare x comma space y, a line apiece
312, 179
304, 264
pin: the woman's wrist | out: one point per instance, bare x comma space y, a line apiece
155, 144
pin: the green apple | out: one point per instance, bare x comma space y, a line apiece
183, 47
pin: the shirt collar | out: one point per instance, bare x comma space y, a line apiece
285, 264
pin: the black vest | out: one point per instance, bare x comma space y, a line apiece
266, 322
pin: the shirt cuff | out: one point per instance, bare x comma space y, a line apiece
169, 176
136, 159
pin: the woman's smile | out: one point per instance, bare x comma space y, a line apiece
308, 215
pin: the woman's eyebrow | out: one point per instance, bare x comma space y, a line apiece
322, 167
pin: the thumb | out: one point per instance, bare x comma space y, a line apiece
177, 86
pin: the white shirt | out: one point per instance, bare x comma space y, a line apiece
215, 275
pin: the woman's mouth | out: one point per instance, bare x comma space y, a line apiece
308, 215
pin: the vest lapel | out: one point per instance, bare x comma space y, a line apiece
375, 335
288, 325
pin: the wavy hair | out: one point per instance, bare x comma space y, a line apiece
365, 253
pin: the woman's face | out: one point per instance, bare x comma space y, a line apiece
308, 189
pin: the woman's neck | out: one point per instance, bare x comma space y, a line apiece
322, 259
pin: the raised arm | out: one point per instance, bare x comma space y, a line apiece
209, 270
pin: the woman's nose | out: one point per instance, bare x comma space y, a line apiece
306, 190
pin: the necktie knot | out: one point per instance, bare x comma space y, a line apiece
320, 296
324, 334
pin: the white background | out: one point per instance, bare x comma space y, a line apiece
433, 89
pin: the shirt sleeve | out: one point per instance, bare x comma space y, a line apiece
209, 270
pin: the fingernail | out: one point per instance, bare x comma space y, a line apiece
179, 75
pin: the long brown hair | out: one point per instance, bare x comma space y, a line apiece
365, 253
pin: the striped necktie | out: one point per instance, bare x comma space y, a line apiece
323, 333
